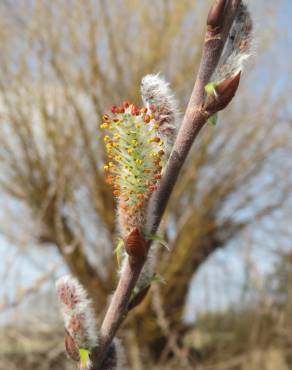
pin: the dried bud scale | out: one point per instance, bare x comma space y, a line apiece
221, 94
136, 154
135, 245
158, 97
78, 315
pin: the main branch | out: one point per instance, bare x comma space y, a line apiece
219, 22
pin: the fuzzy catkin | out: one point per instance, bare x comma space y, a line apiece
136, 155
157, 95
77, 312
238, 46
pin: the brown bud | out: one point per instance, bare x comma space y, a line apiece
138, 298
215, 16
224, 92
70, 346
136, 245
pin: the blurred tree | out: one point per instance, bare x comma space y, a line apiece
62, 64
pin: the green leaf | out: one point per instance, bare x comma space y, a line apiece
210, 88
119, 250
158, 238
84, 356
157, 279
213, 119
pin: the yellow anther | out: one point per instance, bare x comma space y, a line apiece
117, 136
130, 150
156, 126
118, 157
106, 138
110, 164
138, 125
106, 167
138, 161
153, 155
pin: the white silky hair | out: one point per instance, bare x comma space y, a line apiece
82, 307
156, 90
238, 47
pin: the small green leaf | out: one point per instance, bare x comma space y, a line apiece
118, 250
84, 356
210, 88
158, 238
213, 119
157, 279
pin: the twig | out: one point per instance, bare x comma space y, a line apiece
194, 118
34, 288
219, 22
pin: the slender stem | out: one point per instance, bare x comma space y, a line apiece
117, 310
193, 121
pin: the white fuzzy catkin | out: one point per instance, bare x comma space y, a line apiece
238, 46
158, 97
77, 312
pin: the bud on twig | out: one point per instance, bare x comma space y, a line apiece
216, 15
222, 94
237, 48
136, 246
225, 79
80, 324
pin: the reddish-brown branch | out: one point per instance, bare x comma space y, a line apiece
194, 118
219, 22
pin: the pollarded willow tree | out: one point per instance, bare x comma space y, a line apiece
57, 74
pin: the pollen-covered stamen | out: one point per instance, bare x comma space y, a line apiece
135, 152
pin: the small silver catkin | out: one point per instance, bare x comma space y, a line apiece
159, 98
238, 46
